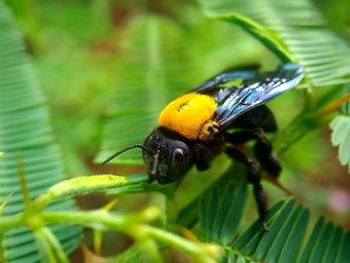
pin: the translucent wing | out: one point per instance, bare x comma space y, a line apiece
257, 91
228, 75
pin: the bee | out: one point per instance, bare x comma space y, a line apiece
216, 117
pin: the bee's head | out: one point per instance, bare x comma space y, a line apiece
167, 159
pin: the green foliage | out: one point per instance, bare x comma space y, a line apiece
31, 163
325, 56
155, 60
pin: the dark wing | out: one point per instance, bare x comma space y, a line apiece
239, 73
257, 91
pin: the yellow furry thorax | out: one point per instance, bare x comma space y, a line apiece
191, 116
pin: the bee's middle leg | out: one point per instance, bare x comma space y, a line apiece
262, 149
254, 179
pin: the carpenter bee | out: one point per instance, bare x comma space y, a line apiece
216, 117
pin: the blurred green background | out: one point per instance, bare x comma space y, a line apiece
78, 49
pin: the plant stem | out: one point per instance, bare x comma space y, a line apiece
131, 226
50, 244
44, 248
22, 178
5, 203
333, 105
304, 123
13, 221
93, 219
195, 250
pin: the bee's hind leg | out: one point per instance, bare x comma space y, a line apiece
254, 179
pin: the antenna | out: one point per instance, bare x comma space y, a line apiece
124, 150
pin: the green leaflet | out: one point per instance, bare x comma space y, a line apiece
326, 57
341, 137
221, 211
27, 141
287, 225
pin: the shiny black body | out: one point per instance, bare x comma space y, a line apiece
241, 116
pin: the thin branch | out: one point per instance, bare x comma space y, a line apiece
9, 222
5, 203
24, 185
51, 246
333, 105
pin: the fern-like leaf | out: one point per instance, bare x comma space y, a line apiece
27, 141
284, 242
325, 56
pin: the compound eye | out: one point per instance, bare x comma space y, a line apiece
178, 157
